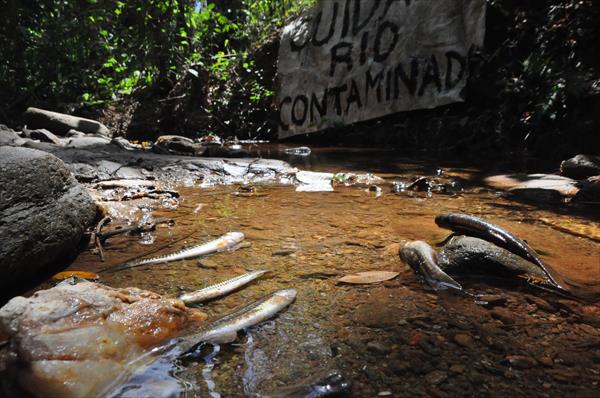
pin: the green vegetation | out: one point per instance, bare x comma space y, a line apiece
194, 67
73, 55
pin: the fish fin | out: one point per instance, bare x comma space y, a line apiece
223, 338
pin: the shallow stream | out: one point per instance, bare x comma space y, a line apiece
394, 338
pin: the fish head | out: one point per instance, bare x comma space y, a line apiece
233, 238
287, 294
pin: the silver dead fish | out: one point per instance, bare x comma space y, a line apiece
220, 289
152, 371
224, 330
229, 241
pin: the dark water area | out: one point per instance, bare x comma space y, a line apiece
394, 338
390, 161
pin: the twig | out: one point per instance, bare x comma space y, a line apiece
97, 232
135, 229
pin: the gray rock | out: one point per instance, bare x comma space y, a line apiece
465, 253
581, 166
9, 137
83, 172
125, 144
43, 135
60, 123
43, 213
589, 191
86, 141
74, 133
177, 145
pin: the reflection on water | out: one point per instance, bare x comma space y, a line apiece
394, 337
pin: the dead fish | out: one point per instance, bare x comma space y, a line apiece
224, 330
423, 260
151, 376
329, 384
220, 289
473, 226
229, 241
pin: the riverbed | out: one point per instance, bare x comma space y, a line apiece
394, 338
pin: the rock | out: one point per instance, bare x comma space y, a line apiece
9, 137
125, 144
60, 123
540, 303
520, 362
545, 361
535, 187
459, 369
310, 181
83, 172
506, 316
589, 190
399, 367
590, 315
74, 133
43, 213
463, 340
177, 145
43, 135
491, 300
86, 141
436, 377
75, 339
580, 166
469, 254
378, 348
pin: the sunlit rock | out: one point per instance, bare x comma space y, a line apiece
76, 339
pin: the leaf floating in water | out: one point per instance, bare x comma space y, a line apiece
368, 277
92, 276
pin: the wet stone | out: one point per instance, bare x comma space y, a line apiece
463, 340
436, 377
460, 369
520, 362
591, 315
545, 361
399, 367
378, 347
492, 300
540, 303
505, 316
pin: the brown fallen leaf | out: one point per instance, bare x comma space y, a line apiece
368, 277
92, 276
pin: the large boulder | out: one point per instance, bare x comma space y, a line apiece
75, 339
60, 124
43, 213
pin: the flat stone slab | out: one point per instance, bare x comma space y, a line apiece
538, 187
60, 123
